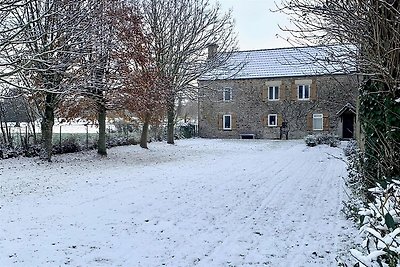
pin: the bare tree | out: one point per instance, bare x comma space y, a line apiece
369, 34
368, 30
181, 31
41, 54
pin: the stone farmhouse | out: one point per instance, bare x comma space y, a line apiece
279, 93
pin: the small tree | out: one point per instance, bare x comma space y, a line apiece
142, 86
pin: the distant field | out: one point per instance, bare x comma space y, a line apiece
76, 131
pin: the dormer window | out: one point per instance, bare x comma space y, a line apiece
227, 94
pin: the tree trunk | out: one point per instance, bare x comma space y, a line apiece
101, 145
145, 131
47, 129
2, 127
171, 120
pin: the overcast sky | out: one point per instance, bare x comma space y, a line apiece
256, 25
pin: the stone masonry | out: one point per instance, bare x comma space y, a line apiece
249, 106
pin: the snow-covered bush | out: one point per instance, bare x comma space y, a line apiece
354, 182
69, 145
6, 152
380, 222
325, 139
328, 139
351, 148
32, 150
120, 141
310, 140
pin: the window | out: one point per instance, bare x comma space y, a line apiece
304, 92
318, 122
227, 94
273, 93
227, 122
272, 120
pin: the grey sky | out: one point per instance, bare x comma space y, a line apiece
256, 25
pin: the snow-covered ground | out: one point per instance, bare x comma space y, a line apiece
197, 203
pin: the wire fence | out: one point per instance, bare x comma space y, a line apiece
86, 135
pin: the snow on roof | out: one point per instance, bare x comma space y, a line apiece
347, 107
285, 62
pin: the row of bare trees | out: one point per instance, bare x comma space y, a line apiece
84, 58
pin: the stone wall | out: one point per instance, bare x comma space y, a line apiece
250, 105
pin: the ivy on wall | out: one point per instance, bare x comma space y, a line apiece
380, 119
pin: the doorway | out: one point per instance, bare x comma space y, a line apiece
348, 124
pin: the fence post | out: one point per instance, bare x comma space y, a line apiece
87, 136
26, 137
60, 141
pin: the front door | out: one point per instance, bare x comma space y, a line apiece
348, 125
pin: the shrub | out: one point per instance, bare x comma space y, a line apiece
69, 145
380, 222
354, 182
311, 140
351, 148
32, 150
325, 139
120, 141
378, 215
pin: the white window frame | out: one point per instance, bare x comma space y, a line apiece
276, 120
303, 89
225, 93
275, 93
224, 118
318, 116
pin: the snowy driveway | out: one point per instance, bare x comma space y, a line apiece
198, 203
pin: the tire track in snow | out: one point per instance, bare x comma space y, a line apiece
303, 194
175, 208
272, 187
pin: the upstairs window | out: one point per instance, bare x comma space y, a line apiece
318, 122
227, 122
273, 93
227, 94
304, 92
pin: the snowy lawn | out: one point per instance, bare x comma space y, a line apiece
197, 203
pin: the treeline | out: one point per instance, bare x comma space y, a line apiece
85, 59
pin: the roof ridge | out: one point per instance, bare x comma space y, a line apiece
289, 47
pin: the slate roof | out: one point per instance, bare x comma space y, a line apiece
285, 62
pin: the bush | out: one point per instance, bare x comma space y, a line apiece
7, 153
120, 141
380, 222
311, 140
32, 150
354, 182
378, 215
351, 148
325, 139
69, 145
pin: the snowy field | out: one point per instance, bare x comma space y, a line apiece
197, 203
